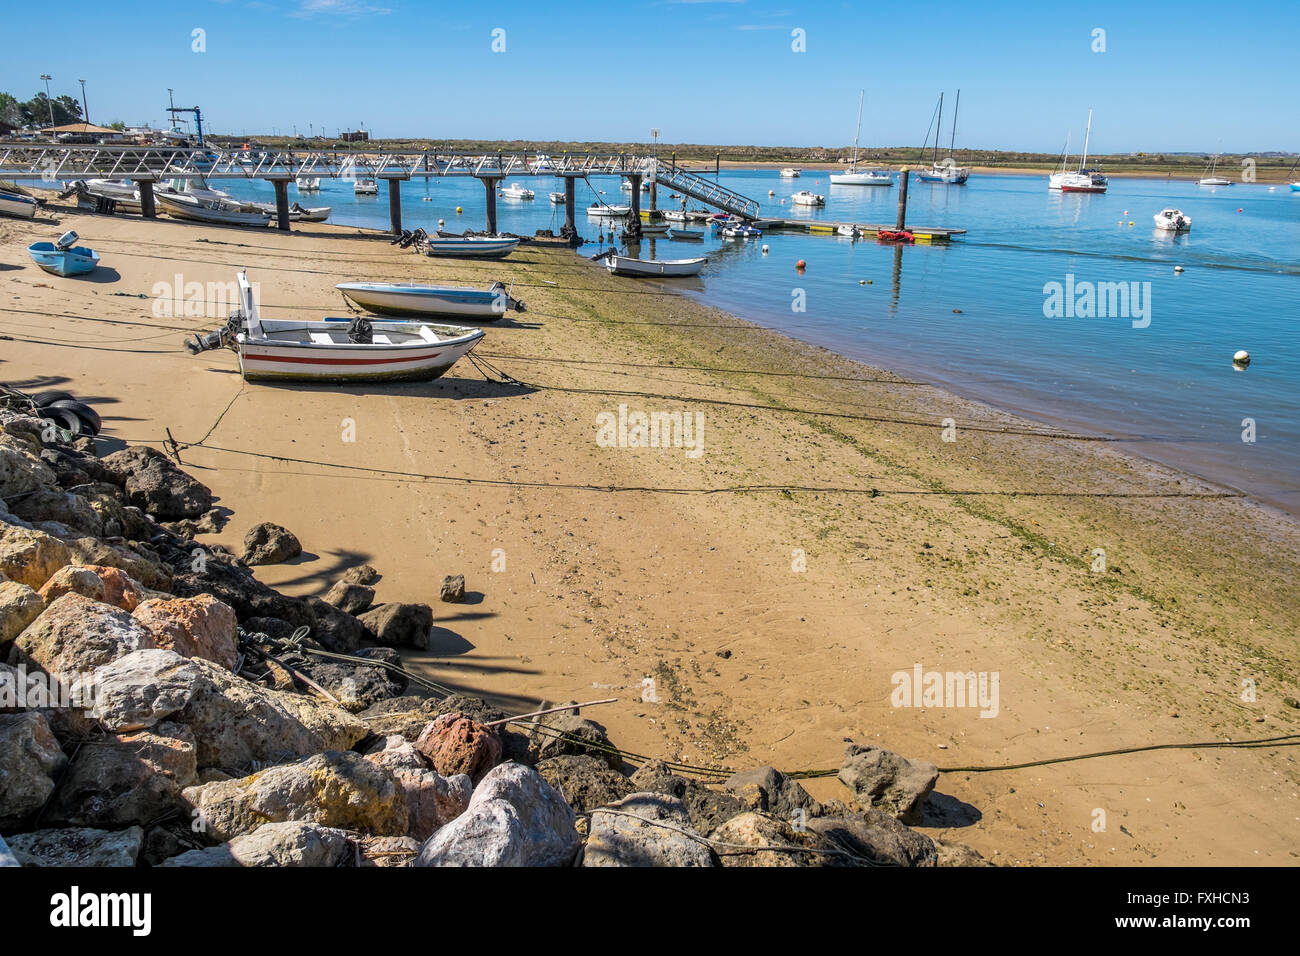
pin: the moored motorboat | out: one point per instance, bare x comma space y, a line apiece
790, 173
16, 204
308, 184
365, 187
654, 228
674, 215
225, 214
1173, 220
413, 298
470, 247
64, 257
680, 232
847, 230
517, 191
740, 230
340, 350
628, 266
600, 211
806, 197
558, 199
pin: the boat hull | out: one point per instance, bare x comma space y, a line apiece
470, 248
63, 262
626, 266
860, 179
197, 212
262, 360
17, 205
484, 305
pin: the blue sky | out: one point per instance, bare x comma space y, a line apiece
1174, 76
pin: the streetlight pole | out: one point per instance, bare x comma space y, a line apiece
49, 102
85, 110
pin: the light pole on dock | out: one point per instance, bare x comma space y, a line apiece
85, 110
49, 102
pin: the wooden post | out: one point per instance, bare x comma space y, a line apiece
674, 161
147, 207
281, 204
395, 206
635, 180
901, 223
717, 165
490, 184
570, 220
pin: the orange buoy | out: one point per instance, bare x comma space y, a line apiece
801, 265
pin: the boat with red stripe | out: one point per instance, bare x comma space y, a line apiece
336, 349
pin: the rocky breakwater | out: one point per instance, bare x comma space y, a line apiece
160, 706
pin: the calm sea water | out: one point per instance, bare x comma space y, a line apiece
1169, 387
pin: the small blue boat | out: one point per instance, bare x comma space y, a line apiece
1295, 187
62, 258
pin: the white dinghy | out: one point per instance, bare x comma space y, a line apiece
336, 350
627, 266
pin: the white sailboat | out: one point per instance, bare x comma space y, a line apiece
1083, 180
864, 177
946, 171
1210, 179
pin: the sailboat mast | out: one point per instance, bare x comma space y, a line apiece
858, 132
1083, 163
955, 107
937, 128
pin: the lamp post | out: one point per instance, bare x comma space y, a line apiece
49, 102
85, 110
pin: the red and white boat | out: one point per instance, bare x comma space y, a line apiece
336, 350
1082, 180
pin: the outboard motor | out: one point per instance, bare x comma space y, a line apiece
223, 337
66, 241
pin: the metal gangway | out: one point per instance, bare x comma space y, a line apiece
55, 163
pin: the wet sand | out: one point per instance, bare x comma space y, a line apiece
826, 539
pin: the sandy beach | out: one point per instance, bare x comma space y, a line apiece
826, 538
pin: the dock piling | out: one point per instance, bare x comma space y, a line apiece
281, 204
395, 205
901, 223
570, 222
147, 207
490, 185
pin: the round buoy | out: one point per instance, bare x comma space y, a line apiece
765, 248
441, 223
1178, 269
868, 282
1241, 357
1126, 212
1130, 222
458, 210
801, 264
1238, 209
956, 311
862, 282
771, 192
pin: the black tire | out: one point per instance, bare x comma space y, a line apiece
64, 418
43, 399
89, 417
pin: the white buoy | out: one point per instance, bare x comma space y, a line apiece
764, 248
1241, 357
771, 192
1178, 268
862, 282
441, 223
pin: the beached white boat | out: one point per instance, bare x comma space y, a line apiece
365, 187
194, 188
790, 173
297, 211
336, 350
627, 266
517, 191
558, 199
860, 177
598, 211
308, 184
414, 298
469, 247
806, 197
224, 214
16, 204
1173, 220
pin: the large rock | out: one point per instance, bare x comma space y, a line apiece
53, 504
350, 598
707, 809
22, 471
360, 574
432, 800
76, 635
200, 626
269, 543
120, 589
584, 782
558, 735
123, 779
237, 725
631, 832
334, 789
29, 556
355, 685
768, 790
333, 629
515, 818
774, 842
73, 580
952, 853
455, 744
142, 568
30, 759
399, 625
155, 485
19, 606
287, 843
884, 780
876, 837
77, 846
